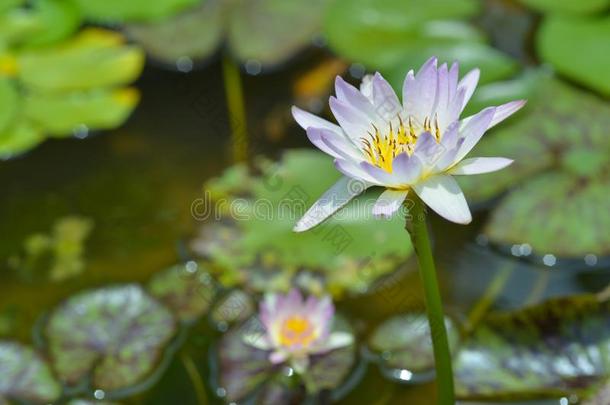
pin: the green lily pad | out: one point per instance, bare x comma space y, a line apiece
25, 375
348, 252
187, 289
18, 138
244, 371
565, 143
94, 58
558, 348
394, 35
567, 6
115, 334
9, 100
266, 31
557, 214
404, 343
575, 47
196, 33
139, 10
63, 114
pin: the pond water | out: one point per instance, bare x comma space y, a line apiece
137, 184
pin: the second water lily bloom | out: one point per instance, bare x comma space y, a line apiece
413, 146
296, 329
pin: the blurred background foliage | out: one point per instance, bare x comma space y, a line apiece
87, 235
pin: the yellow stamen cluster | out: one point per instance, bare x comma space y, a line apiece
381, 150
296, 330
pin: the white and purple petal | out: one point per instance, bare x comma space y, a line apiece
444, 196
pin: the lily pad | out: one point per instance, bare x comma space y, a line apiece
65, 113
113, 335
187, 289
18, 138
235, 307
267, 32
559, 348
564, 141
9, 99
244, 372
94, 58
577, 48
567, 6
142, 10
403, 346
391, 35
348, 252
25, 375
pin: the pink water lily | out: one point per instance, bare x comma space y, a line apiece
295, 329
413, 146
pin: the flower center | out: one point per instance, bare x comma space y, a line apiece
382, 149
296, 330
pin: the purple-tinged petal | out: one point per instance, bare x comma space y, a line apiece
339, 147
384, 98
335, 197
409, 92
473, 131
316, 137
469, 84
366, 87
350, 96
506, 110
442, 98
479, 165
306, 120
278, 357
444, 196
355, 124
425, 91
453, 110
380, 176
453, 80
389, 202
336, 340
355, 171
428, 150
407, 168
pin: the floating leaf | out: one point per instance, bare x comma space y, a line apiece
9, 102
557, 214
187, 289
348, 252
567, 6
116, 334
234, 307
266, 31
63, 114
93, 58
578, 49
404, 343
143, 10
25, 375
392, 35
57, 20
244, 370
559, 348
18, 138
195, 33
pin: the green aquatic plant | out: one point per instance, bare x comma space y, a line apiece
262, 254
557, 185
56, 81
386, 35
132, 10
260, 33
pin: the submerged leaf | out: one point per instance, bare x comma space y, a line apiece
187, 289
578, 48
116, 334
25, 376
558, 348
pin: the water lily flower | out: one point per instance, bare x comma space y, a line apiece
295, 329
414, 146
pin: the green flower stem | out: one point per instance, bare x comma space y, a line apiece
236, 109
417, 228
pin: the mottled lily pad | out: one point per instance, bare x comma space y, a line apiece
393, 35
114, 335
403, 347
345, 254
142, 10
235, 307
567, 6
578, 48
266, 32
562, 155
25, 375
187, 289
244, 372
559, 348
